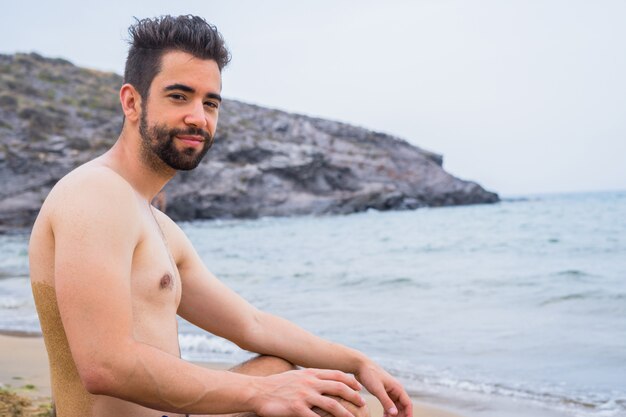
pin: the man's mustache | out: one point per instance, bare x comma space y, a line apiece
194, 131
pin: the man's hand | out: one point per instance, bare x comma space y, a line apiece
295, 393
392, 396
362, 411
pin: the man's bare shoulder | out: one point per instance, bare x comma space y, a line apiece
91, 177
91, 192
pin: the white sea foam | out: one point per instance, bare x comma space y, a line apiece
12, 302
209, 348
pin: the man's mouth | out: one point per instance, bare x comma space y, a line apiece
191, 140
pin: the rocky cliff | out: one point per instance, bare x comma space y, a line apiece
55, 116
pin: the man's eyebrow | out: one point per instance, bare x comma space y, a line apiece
187, 89
181, 87
214, 96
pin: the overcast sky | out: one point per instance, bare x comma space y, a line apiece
521, 96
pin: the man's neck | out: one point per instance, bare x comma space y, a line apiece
126, 158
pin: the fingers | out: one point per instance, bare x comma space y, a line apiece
341, 390
340, 394
313, 412
347, 379
294, 393
388, 405
397, 402
401, 399
333, 407
406, 405
393, 398
356, 411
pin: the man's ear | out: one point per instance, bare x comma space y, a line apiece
131, 102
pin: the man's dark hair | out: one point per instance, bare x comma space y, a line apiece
150, 39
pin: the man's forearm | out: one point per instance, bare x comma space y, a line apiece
150, 377
279, 337
276, 336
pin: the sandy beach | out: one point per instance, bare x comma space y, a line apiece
24, 370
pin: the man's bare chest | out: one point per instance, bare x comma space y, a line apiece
155, 280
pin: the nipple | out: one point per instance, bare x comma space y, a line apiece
166, 281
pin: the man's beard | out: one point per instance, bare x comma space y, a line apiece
158, 141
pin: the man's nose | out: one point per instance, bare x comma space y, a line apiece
196, 116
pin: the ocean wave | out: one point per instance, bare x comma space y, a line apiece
209, 348
13, 303
13, 272
575, 273
444, 385
205, 343
581, 296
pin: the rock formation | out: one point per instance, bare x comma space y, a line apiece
55, 116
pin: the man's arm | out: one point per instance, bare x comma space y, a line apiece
209, 304
96, 227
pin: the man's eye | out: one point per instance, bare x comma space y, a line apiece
177, 97
211, 104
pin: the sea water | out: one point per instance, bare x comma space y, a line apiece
524, 300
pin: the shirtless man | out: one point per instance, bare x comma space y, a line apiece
110, 272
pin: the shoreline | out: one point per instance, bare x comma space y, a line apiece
24, 370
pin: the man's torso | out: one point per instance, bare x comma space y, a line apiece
155, 288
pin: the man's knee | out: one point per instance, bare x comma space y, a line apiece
264, 365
